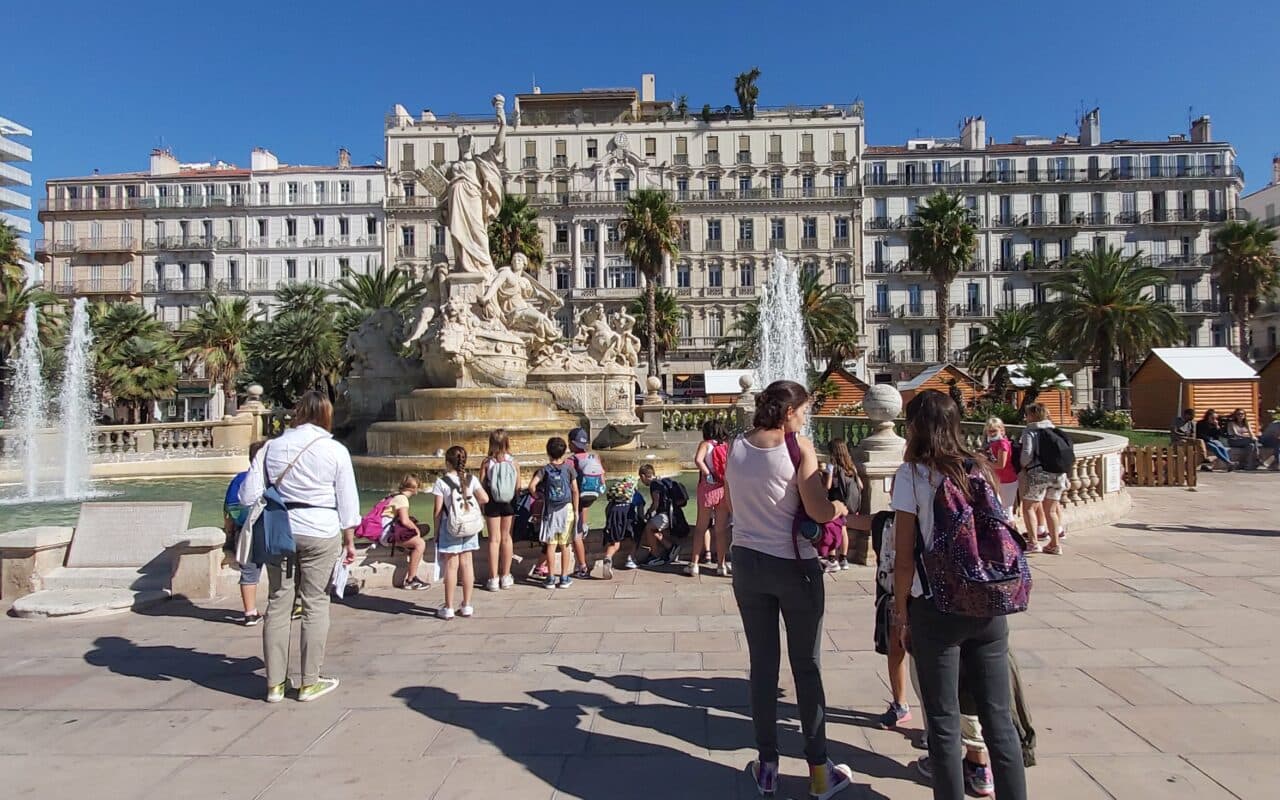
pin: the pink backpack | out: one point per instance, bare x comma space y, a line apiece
372, 525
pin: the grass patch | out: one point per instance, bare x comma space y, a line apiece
1140, 438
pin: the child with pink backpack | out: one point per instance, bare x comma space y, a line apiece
389, 523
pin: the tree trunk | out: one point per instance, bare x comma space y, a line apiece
1242, 326
651, 324
1105, 364
944, 323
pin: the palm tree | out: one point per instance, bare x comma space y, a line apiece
744, 86
1246, 267
515, 230
1039, 376
139, 371
1013, 337
303, 296
360, 295
943, 240
830, 321
15, 296
650, 231
1103, 308
11, 256
668, 313
216, 336
115, 323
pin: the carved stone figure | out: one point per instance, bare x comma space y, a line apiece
601, 341
629, 346
473, 196
524, 306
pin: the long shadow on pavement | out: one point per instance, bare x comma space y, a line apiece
229, 674
1161, 527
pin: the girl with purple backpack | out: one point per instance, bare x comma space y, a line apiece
777, 498
951, 598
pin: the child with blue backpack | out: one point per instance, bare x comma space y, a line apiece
959, 570
557, 483
591, 485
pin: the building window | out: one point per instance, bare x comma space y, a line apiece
562, 233
713, 187
713, 230
682, 188
810, 228
291, 269
744, 185
621, 187
842, 228
593, 149
746, 229
686, 326
589, 234
811, 269
806, 184
778, 230
843, 273
838, 182
564, 279
589, 279
683, 276
715, 324
650, 147
621, 276
440, 233
344, 267
291, 228
437, 153
715, 275
317, 226
407, 234
747, 274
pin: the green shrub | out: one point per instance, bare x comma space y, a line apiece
985, 409
1101, 419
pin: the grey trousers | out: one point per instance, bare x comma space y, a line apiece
306, 576
766, 586
939, 643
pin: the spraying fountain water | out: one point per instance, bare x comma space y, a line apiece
75, 404
29, 403
783, 349
54, 458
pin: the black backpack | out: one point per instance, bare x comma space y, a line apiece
1054, 451
674, 493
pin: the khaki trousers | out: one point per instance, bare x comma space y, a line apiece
305, 575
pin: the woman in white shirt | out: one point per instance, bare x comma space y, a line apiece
939, 642
312, 472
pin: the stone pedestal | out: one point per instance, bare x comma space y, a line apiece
197, 561
26, 555
605, 400
460, 352
880, 454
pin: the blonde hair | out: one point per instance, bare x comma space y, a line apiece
499, 443
995, 422
410, 481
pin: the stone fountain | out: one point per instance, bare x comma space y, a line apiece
489, 352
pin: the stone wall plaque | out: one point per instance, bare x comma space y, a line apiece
125, 534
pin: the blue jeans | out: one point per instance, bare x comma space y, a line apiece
1218, 449
1272, 443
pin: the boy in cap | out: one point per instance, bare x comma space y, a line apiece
591, 484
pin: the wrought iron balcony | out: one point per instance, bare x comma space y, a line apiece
838, 155
841, 243
713, 245
970, 310
744, 156
746, 244
109, 244
808, 243
880, 268
806, 156
177, 286
878, 223
529, 162
775, 158
779, 243
613, 246
875, 177
97, 286
54, 247
560, 162
919, 311
680, 159
712, 157
561, 248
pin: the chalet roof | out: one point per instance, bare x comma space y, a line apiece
1201, 363
928, 374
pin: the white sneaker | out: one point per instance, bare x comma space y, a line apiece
691, 570
444, 612
466, 611
631, 563
506, 582
492, 585
831, 780
606, 569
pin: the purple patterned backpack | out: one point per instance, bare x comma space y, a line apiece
974, 566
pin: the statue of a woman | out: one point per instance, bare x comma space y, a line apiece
473, 197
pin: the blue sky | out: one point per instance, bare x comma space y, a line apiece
101, 84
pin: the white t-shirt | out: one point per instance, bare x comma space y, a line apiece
444, 491
914, 486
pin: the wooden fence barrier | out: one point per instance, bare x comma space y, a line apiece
1162, 465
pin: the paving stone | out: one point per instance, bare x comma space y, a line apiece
1247, 776
1162, 776
1201, 685
220, 778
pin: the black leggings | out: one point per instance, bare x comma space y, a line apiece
939, 643
765, 586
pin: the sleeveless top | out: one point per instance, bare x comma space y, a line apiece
765, 497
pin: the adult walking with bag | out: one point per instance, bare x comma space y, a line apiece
778, 500
950, 600
302, 492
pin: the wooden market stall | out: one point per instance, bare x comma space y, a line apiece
938, 377
1056, 399
1268, 388
850, 389
1174, 378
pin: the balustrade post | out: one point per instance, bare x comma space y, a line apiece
744, 408
144, 440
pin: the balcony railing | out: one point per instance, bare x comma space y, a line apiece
680, 159
779, 243
529, 162
191, 243
407, 251
613, 246
746, 244
774, 158
919, 311
561, 248
838, 155
713, 245
178, 286
108, 244
916, 355
879, 268
840, 243
1191, 215
305, 198
744, 156
882, 312
876, 178
970, 310
808, 243
54, 247
92, 286
560, 162
1200, 306
682, 196
712, 157
806, 156
878, 224
417, 201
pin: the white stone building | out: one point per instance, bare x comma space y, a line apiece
1264, 206
168, 236
787, 179
15, 181
1037, 200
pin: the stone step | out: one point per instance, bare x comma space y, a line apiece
53, 603
124, 578
528, 437
497, 406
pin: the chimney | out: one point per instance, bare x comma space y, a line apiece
648, 87
974, 134
263, 160
1091, 128
344, 158
1201, 130
163, 162
1275, 171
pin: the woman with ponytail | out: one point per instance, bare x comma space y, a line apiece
771, 477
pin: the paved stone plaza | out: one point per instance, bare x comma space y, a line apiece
1149, 656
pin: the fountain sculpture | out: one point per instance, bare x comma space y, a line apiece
491, 351
783, 349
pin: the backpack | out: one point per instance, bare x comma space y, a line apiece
372, 525
974, 567
501, 477
524, 527
1015, 456
882, 532
555, 489
673, 493
464, 519
1054, 451
824, 537
590, 478
717, 459
271, 531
